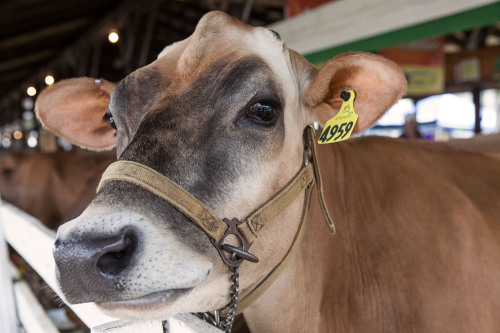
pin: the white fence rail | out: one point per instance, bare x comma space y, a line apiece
34, 243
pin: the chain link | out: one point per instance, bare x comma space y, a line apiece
235, 288
214, 319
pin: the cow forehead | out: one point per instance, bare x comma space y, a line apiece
219, 35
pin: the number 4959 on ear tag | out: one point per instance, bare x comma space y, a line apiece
340, 127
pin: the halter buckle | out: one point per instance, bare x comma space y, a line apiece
237, 254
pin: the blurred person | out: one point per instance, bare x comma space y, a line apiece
411, 128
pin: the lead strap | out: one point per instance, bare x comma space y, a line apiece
310, 137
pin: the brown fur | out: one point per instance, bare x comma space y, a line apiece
485, 143
417, 247
53, 187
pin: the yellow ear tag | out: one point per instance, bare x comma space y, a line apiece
340, 127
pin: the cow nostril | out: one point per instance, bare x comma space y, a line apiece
117, 258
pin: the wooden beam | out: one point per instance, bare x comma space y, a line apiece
31, 313
47, 32
26, 60
322, 32
96, 59
114, 18
268, 3
16, 74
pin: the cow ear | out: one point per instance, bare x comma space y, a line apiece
378, 83
74, 109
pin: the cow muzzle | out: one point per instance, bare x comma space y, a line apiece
91, 269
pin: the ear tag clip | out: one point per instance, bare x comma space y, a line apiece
98, 84
340, 127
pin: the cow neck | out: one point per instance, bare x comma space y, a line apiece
246, 230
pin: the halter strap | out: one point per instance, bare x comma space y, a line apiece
195, 210
158, 184
310, 142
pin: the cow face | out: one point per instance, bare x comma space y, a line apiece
221, 114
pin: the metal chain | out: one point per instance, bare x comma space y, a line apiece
235, 288
238, 255
214, 319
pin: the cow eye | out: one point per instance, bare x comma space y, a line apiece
262, 112
108, 117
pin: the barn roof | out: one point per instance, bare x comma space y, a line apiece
69, 38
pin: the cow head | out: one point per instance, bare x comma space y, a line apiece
222, 114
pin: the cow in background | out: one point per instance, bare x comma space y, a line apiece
53, 187
480, 143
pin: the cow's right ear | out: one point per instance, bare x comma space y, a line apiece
74, 109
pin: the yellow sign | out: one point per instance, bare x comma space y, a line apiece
340, 127
424, 80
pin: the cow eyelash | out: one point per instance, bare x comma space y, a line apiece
275, 34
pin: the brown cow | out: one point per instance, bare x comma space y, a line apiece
53, 187
222, 115
484, 143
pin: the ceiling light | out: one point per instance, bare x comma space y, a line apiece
18, 135
31, 91
49, 79
113, 36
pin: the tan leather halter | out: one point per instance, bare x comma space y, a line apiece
247, 230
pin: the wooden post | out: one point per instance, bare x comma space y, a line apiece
476, 97
96, 59
8, 320
130, 40
247, 9
143, 58
82, 63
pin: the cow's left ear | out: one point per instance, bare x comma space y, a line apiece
74, 109
377, 82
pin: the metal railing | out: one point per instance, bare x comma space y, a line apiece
19, 307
